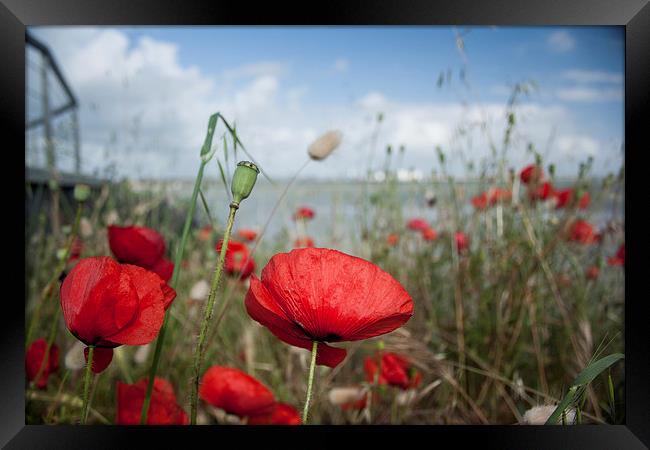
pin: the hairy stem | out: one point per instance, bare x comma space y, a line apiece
87, 381
310, 382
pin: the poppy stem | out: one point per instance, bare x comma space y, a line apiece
178, 259
310, 382
207, 314
87, 379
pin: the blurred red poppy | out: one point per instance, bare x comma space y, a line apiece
238, 260
584, 200
417, 224
205, 233
304, 213
462, 241
235, 392
395, 371
163, 409
619, 258
429, 234
281, 414
247, 235
140, 246
304, 241
592, 272
318, 294
76, 250
583, 232
34, 359
563, 198
531, 173
542, 192
108, 304
392, 239
480, 201
496, 195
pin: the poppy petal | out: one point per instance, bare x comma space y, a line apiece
136, 245
325, 355
102, 357
164, 268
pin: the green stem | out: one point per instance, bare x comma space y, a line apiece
178, 259
310, 382
87, 379
48, 292
207, 314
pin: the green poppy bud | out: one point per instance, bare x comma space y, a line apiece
243, 181
81, 192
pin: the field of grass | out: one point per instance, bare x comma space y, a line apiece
499, 327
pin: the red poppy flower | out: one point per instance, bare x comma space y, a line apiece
392, 239
235, 392
238, 259
358, 404
480, 201
281, 414
564, 198
163, 409
592, 272
304, 241
417, 224
318, 294
247, 235
395, 371
205, 233
619, 258
34, 359
429, 234
582, 232
531, 173
584, 200
496, 195
142, 247
304, 212
108, 304
462, 241
542, 192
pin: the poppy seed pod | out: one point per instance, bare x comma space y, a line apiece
81, 192
243, 181
324, 145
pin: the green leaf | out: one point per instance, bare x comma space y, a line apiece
205, 206
212, 124
593, 370
223, 178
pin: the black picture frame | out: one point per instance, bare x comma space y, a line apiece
634, 15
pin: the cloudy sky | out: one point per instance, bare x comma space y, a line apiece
146, 93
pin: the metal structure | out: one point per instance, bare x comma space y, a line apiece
52, 139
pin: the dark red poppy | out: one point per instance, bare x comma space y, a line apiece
462, 241
140, 246
76, 250
108, 304
480, 201
542, 192
239, 261
592, 272
619, 258
235, 392
496, 195
395, 371
304, 241
163, 409
34, 358
582, 232
392, 239
429, 234
247, 235
281, 414
417, 224
531, 173
205, 233
304, 213
318, 294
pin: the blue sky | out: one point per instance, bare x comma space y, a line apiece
286, 85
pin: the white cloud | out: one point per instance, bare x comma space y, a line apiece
561, 41
589, 94
593, 76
